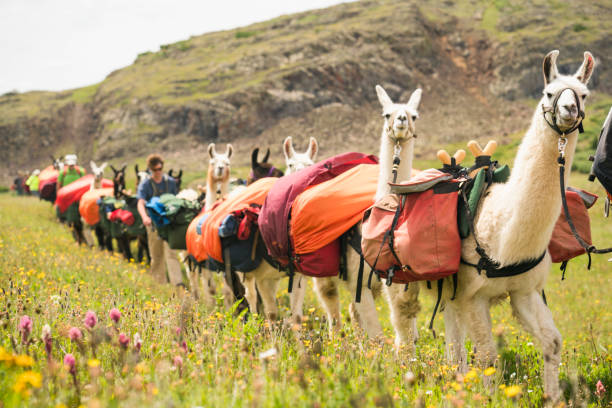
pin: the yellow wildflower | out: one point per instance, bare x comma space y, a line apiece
24, 360
24, 379
5, 357
93, 363
512, 391
489, 371
471, 376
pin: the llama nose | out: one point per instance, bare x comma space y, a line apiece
402, 118
572, 109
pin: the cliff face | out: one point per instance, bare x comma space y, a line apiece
313, 74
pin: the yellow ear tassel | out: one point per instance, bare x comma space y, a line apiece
444, 157
459, 156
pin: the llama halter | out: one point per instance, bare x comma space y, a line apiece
553, 113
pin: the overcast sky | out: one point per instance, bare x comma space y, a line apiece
65, 44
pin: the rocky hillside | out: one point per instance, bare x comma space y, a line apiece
313, 74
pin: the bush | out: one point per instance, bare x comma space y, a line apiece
245, 34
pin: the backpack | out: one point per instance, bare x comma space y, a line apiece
172, 216
240, 238
275, 212
412, 234
323, 215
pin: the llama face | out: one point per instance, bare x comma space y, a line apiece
399, 118
219, 164
570, 91
297, 161
98, 172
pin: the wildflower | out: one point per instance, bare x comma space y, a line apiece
512, 391
24, 379
601, 390
25, 327
70, 363
90, 319
75, 334
5, 356
489, 371
124, 340
268, 354
23, 360
471, 376
93, 363
137, 342
115, 315
178, 361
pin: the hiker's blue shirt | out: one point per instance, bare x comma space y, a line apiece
148, 188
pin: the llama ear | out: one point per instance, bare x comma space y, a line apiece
313, 149
93, 166
229, 150
383, 98
415, 99
135, 168
113, 169
549, 67
584, 72
211, 150
103, 166
254, 155
267, 156
288, 147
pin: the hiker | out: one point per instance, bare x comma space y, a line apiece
71, 171
161, 255
32, 182
18, 184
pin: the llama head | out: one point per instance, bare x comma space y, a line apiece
141, 175
297, 161
177, 177
219, 164
399, 118
118, 180
98, 172
262, 169
564, 95
58, 163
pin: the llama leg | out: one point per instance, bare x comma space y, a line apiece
207, 287
267, 290
327, 292
89, 240
250, 289
455, 337
476, 316
364, 312
296, 298
404, 306
192, 275
536, 318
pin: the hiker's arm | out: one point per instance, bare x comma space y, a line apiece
146, 220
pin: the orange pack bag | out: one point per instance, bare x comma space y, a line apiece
194, 238
321, 214
88, 206
563, 245
412, 233
208, 224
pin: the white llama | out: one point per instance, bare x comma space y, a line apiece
398, 134
218, 176
217, 179
266, 278
514, 224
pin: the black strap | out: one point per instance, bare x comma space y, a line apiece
563, 268
455, 281
433, 316
544, 297
359, 279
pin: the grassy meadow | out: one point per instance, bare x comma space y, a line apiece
162, 350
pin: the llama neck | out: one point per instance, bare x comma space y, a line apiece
530, 202
385, 175
211, 193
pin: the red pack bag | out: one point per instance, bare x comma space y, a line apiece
412, 233
563, 245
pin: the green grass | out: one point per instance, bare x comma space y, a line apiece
46, 276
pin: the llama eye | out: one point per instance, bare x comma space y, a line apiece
387, 115
414, 117
583, 97
548, 94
